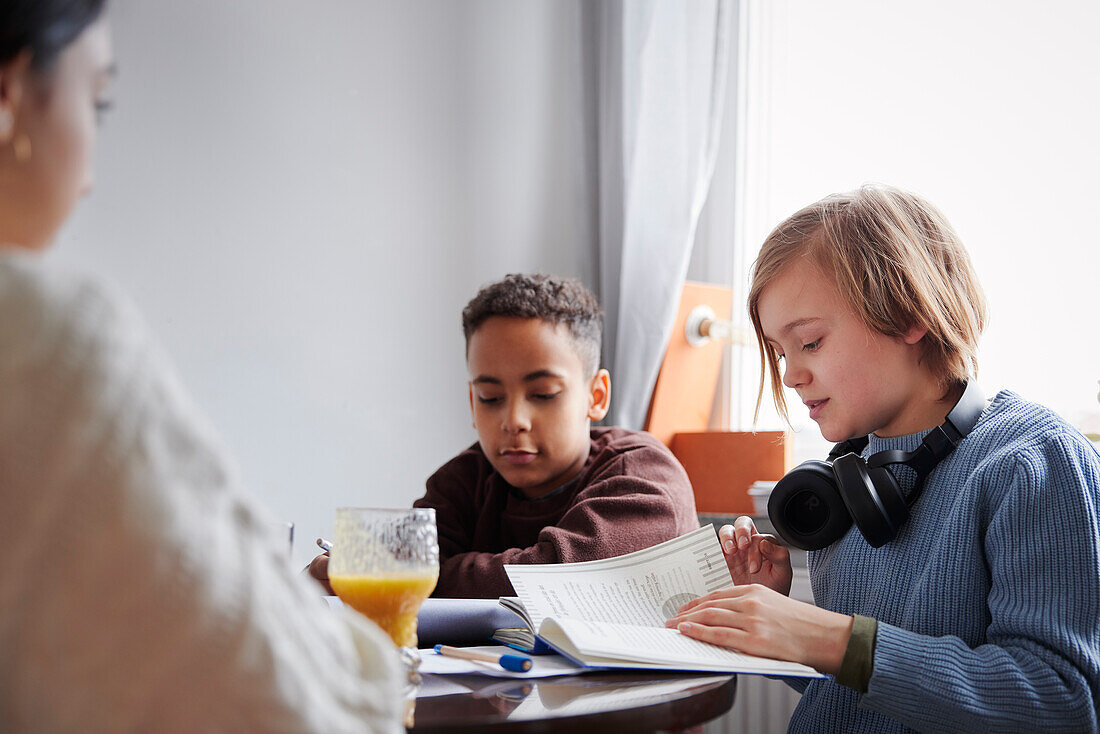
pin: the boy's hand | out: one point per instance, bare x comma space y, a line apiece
758, 621
753, 558
318, 569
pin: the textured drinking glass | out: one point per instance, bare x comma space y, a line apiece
383, 564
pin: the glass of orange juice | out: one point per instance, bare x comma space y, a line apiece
383, 564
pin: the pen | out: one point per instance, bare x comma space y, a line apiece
326, 546
515, 663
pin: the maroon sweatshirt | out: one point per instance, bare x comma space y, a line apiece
631, 494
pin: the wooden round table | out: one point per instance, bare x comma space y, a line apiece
599, 702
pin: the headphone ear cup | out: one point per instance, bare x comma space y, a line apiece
893, 501
806, 509
873, 498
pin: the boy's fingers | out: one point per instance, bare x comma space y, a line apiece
694, 603
318, 567
722, 636
725, 537
318, 571
743, 531
773, 551
686, 607
732, 592
755, 558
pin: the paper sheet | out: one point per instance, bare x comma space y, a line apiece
642, 588
543, 665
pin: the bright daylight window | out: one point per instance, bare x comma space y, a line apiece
990, 111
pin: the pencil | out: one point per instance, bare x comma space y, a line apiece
515, 663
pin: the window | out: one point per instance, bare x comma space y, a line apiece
988, 110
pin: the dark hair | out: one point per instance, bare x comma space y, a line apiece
545, 297
45, 27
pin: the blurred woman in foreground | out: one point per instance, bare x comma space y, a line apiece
142, 588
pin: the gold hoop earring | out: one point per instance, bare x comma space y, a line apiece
22, 147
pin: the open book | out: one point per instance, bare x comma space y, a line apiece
611, 613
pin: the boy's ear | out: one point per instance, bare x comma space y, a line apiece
13, 79
473, 415
914, 334
599, 396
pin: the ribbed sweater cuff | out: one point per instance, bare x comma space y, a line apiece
859, 657
900, 663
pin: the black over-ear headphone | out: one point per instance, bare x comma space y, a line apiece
817, 501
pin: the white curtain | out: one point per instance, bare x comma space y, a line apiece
661, 91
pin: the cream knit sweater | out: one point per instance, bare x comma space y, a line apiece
142, 589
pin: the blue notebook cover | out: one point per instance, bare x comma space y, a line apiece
460, 621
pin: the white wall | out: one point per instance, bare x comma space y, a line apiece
302, 196
990, 110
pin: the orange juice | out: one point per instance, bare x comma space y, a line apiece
391, 601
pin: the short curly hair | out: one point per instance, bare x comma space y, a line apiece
545, 297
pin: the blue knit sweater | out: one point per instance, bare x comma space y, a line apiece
988, 601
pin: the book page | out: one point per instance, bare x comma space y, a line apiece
641, 588
515, 605
616, 645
